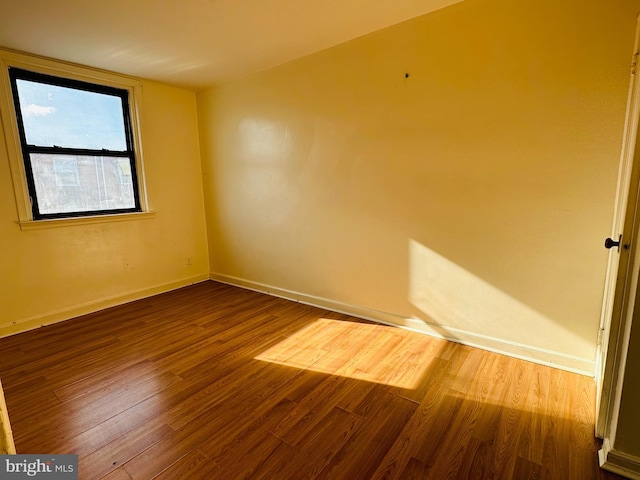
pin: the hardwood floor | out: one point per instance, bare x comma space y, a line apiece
216, 382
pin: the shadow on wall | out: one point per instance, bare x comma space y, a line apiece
451, 296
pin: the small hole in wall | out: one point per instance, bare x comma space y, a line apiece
406, 75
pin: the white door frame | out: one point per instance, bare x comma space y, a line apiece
621, 287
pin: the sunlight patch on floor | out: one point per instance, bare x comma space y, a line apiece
372, 353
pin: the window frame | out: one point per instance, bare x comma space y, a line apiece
28, 216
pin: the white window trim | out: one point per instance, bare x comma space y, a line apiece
10, 126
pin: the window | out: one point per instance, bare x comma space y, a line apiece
77, 144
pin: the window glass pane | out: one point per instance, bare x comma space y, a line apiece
66, 172
78, 183
67, 117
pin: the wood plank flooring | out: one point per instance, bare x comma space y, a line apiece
215, 382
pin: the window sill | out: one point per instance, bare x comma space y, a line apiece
68, 222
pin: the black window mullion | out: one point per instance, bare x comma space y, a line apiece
33, 198
78, 151
31, 184
21, 74
130, 147
84, 213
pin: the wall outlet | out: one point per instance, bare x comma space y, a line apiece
188, 262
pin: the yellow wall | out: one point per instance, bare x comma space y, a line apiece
56, 273
470, 199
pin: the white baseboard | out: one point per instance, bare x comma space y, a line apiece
94, 306
506, 347
525, 352
618, 462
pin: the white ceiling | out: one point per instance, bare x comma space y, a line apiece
193, 43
